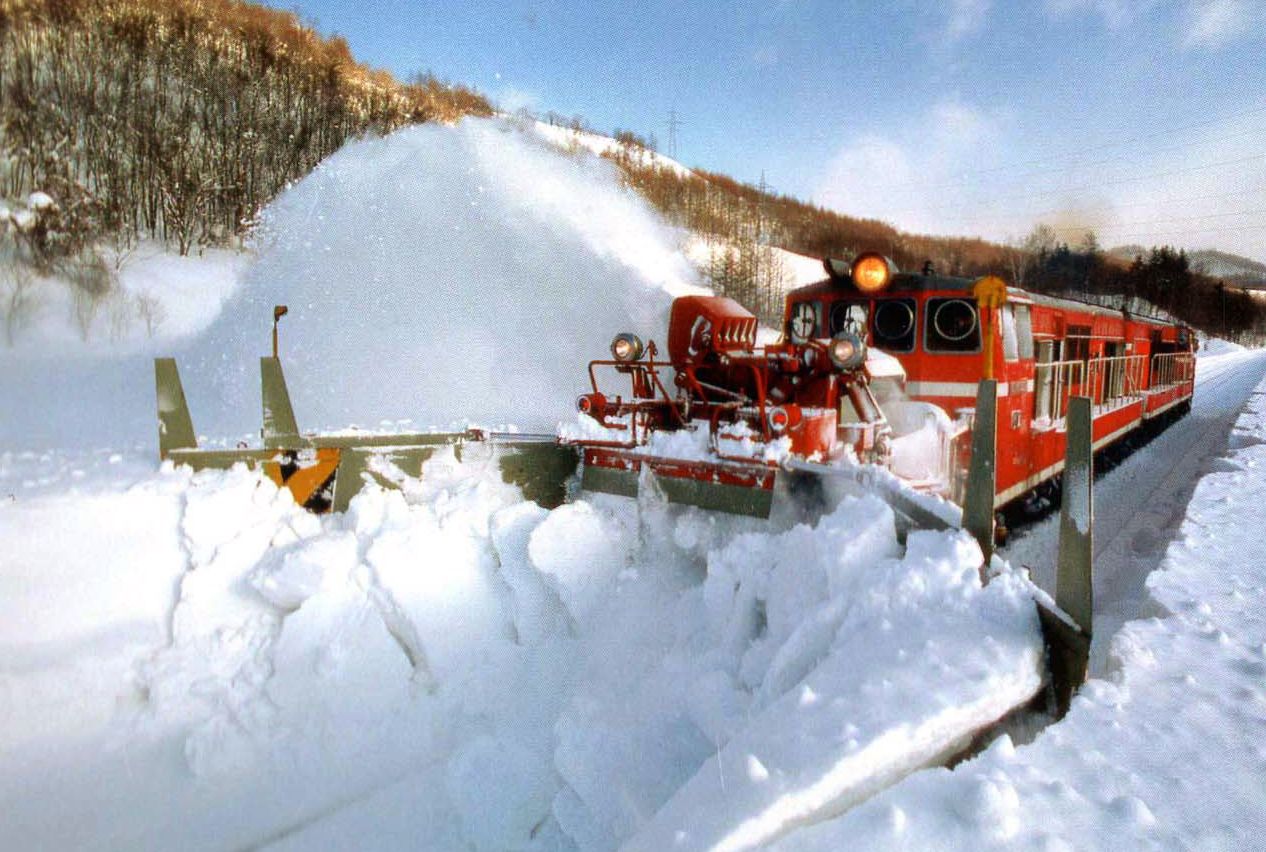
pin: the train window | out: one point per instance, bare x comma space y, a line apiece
848, 316
952, 326
893, 325
1077, 346
1024, 330
1010, 345
803, 324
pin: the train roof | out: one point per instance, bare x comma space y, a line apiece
914, 282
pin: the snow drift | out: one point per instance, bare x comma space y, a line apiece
606, 672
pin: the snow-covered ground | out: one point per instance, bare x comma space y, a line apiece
1165, 752
190, 661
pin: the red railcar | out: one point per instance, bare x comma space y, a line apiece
1138, 371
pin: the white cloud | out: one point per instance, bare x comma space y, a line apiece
900, 178
966, 17
1115, 13
766, 56
1214, 23
958, 170
512, 99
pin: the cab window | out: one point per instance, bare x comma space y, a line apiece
952, 326
849, 316
803, 324
892, 326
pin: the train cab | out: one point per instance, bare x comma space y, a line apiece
1044, 350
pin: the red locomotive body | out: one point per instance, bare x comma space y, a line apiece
737, 412
1138, 371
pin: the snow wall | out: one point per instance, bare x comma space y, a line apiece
440, 275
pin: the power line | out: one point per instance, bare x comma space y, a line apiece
1091, 186
1117, 226
914, 186
1082, 211
1162, 132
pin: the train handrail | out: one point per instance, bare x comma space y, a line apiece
1066, 379
1172, 368
1116, 380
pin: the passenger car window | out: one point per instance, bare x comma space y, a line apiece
951, 326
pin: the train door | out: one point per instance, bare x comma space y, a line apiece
1014, 423
1114, 385
1044, 398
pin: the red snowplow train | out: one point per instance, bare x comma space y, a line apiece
874, 367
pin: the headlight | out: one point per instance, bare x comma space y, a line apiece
626, 347
872, 272
593, 404
783, 417
847, 351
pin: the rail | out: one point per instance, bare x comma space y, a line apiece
1116, 380
1056, 382
1172, 368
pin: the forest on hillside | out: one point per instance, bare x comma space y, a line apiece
178, 120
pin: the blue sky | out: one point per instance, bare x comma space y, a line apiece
1143, 119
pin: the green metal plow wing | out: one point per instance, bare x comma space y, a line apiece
324, 472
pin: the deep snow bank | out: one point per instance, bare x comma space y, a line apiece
440, 274
537, 680
1167, 754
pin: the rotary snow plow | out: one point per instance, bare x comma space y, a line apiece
717, 421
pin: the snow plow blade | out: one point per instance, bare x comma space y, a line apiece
720, 486
324, 472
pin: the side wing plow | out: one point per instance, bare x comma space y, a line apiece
324, 472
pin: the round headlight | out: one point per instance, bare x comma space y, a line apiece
594, 404
872, 272
783, 417
847, 351
626, 347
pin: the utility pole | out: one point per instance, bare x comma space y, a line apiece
1222, 294
674, 122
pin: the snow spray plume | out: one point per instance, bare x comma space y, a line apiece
443, 273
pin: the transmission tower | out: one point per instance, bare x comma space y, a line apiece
674, 122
